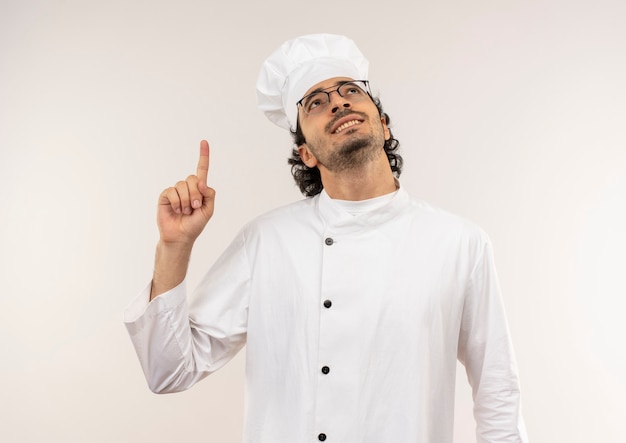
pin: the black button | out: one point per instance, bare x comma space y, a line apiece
321, 437
325, 369
328, 303
329, 241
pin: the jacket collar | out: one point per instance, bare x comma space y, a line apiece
337, 219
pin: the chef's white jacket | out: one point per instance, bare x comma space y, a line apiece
352, 322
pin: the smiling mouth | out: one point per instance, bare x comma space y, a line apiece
347, 125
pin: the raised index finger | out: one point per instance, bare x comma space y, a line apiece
203, 162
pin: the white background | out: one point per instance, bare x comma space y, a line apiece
509, 113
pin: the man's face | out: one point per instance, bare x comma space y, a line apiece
343, 136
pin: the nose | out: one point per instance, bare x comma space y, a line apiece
337, 102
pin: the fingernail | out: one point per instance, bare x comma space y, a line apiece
196, 204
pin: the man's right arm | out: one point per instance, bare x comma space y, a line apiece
160, 329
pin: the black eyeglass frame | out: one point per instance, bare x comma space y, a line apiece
336, 89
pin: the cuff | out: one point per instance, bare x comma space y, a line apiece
142, 305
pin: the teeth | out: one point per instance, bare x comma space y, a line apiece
346, 125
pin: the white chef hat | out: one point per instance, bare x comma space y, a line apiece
300, 63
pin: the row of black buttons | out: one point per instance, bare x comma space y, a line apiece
327, 304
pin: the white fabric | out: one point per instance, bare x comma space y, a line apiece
299, 64
412, 288
361, 206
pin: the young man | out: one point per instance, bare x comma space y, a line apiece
354, 304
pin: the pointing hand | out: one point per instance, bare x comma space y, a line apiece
185, 209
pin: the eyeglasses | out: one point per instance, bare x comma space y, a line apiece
353, 90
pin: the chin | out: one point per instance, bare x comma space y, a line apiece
356, 144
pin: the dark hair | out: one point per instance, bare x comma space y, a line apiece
309, 180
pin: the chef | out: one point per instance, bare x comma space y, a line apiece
354, 303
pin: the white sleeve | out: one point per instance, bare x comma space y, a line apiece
486, 351
178, 346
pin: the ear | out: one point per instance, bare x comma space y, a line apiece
386, 131
307, 156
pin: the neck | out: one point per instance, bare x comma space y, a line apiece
371, 180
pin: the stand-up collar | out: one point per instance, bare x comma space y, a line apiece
336, 218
